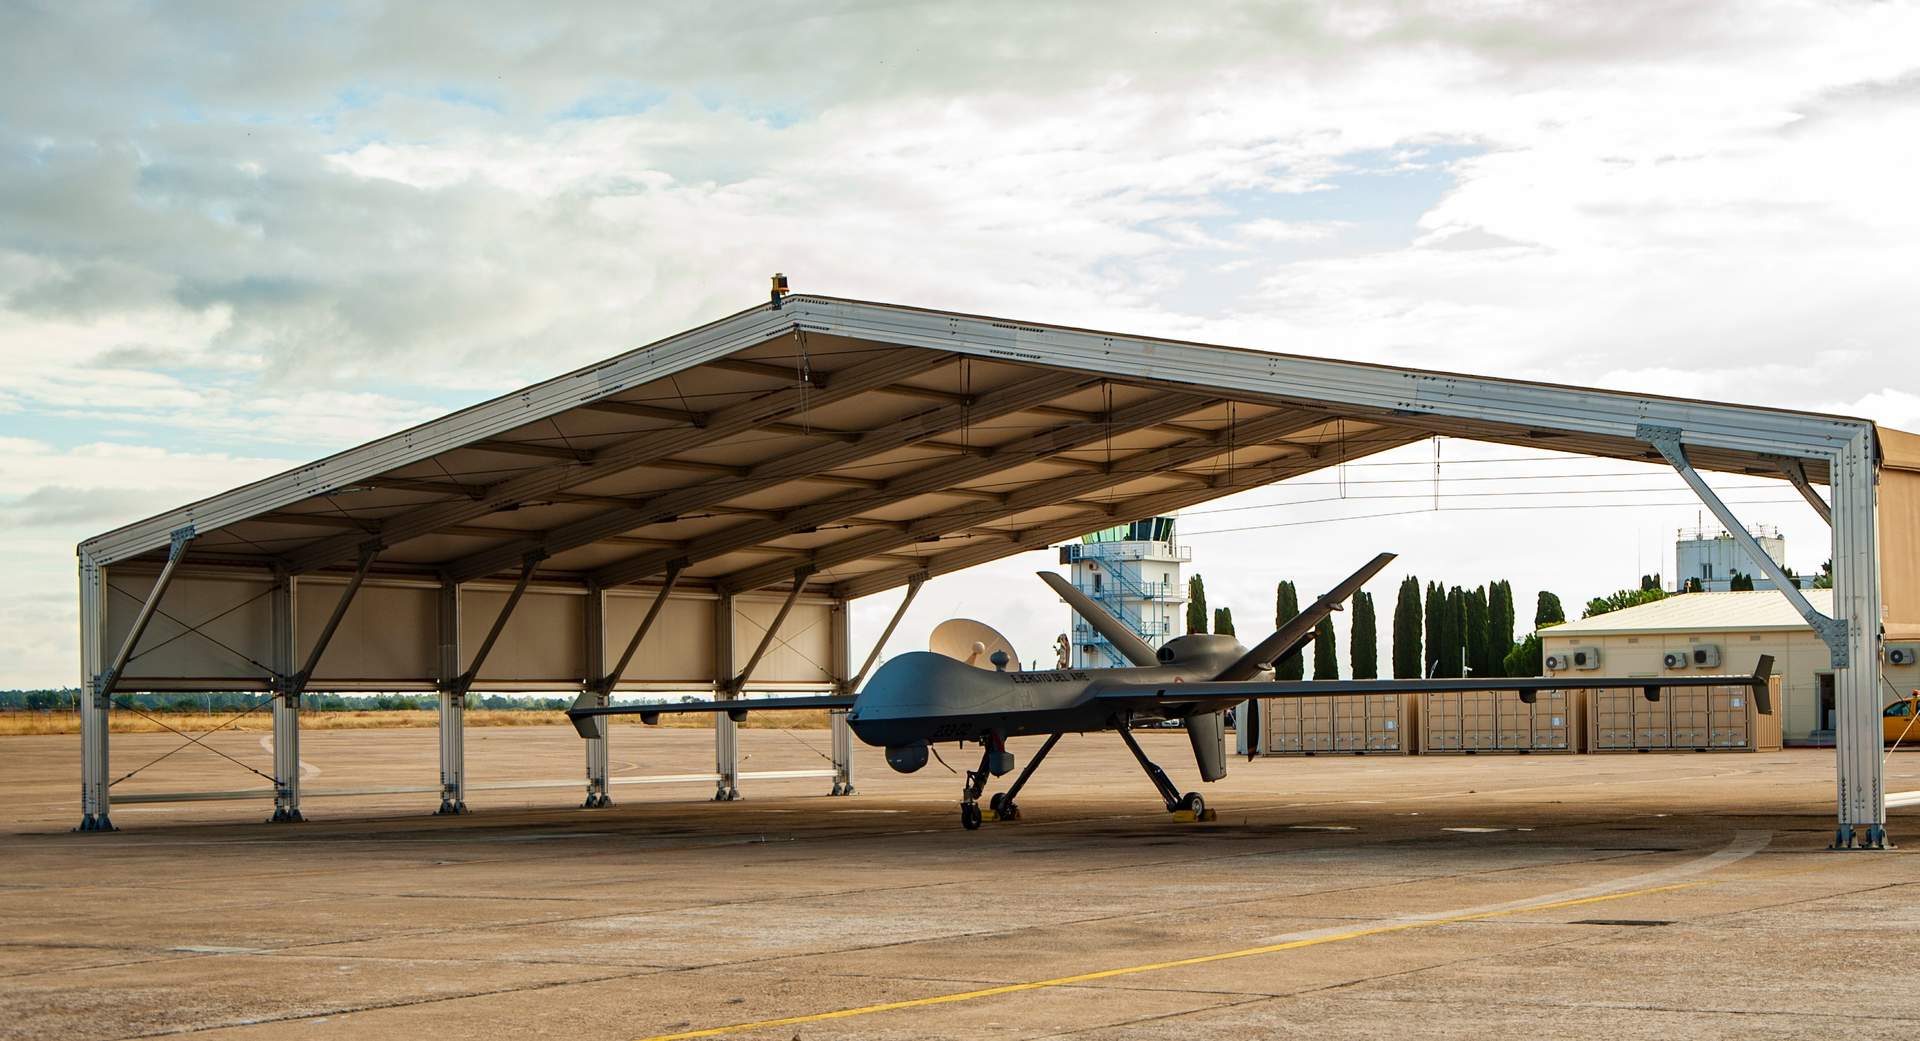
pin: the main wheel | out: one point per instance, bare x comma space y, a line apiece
970, 816
1193, 804
998, 802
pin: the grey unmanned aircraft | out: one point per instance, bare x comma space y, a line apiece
920, 698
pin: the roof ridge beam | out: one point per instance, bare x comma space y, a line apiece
937, 478
780, 470
1040, 494
1047, 533
626, 455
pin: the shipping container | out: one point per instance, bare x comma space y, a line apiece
1352, 724
1498, 721
1698, 719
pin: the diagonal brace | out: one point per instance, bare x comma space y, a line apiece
465, 680
297, 682
176, 551
800, 576
1833, 631
913, 590
1796, 472
606, 683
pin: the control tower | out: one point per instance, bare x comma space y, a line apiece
1132, 570
1712, 557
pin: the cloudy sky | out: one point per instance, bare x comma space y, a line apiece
234, 238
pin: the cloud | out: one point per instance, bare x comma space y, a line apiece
281, 234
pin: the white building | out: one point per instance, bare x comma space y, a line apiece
1711, 556
1133, 570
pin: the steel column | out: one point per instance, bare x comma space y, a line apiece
96, 701
95, 709
286, 700
1859, 767
453, 706
594, 695
841, 660
726, 738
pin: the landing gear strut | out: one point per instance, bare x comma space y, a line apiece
1002, 804
1176, 802
994, 761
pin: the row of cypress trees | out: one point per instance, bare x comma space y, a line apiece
1450, 632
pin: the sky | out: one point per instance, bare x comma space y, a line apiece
237, 237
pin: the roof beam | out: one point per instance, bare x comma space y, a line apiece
1050, 532
626, 455
1057, 411
1053, 492
935, 479
770, 371
809, 463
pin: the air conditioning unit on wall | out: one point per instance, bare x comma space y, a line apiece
1585, 657
1706, 655
1676, 659
1556, 663
1902, 654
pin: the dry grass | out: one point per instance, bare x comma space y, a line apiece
13, 723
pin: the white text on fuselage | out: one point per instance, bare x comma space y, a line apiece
1049, 677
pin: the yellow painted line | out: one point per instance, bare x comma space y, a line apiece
1204, 959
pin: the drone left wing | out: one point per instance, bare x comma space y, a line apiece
583, 715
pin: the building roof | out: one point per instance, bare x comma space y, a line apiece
1746, 610
862, 445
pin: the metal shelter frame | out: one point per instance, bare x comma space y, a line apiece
762, 471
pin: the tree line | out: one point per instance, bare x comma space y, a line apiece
1451, 631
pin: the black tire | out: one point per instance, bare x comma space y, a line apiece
970, 816
1192, 803
998, 802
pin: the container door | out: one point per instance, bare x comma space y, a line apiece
1316, 724
1689, 716
1551, 725
1349, 723
1513, 721
1478, 727
1613, 710
1727, 716
1652, 721
1383, 722
1441, 718
1283, 725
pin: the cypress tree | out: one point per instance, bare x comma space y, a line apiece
1475, 635
1286, 604
1525, 659
1499, 625
1196, 605
1406, 630
1548, 611
1326, 657
1223, 621
1364, 654
1453, 633
1436, 621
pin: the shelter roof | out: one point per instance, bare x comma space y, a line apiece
862, 444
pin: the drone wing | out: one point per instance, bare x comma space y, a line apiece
583, 715
1210, 696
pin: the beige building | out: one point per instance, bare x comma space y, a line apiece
1731, 630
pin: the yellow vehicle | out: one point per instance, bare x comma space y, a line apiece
1897, 721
